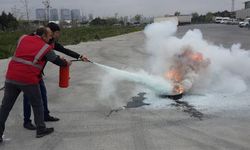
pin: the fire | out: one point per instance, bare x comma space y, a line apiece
197, 57
178, 89
173, 75
185, 63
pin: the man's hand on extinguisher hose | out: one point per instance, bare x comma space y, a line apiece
84, 58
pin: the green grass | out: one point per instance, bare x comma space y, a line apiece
70, 36
8, 42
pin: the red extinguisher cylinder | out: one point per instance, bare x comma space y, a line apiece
64, 77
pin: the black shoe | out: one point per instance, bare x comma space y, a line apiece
1, 138
29, 126
50, 118
42, 132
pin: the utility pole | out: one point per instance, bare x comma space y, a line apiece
232, 10
26, 7
27, 10
47, 6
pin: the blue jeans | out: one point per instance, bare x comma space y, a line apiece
27, 106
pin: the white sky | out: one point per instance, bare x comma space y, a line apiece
130, 7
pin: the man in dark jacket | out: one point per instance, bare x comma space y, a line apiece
26, 106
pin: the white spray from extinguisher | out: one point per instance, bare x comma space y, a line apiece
156, 83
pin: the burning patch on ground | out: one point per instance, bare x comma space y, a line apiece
174, 97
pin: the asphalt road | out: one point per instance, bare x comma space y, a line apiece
86, 122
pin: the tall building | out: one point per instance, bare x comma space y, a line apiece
91, 17
65, 14
247, 4
244, 13
54, 14
76, 14
40, 14
84, 18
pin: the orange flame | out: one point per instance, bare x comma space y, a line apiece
173, 75
184, 63
178, 88
197, 57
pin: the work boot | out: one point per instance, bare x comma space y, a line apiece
29, 126
51, 118
42, 132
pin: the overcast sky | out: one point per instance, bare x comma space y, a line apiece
130, 7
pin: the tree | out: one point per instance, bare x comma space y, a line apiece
225, 13
177, 13
111, 21
4, 21
98, 21
209, 17
8, 22
195, 17
138, 18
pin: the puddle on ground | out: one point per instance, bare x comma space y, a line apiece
187, 108
137, 101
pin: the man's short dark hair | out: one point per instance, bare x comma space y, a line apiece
40, 31
53, 26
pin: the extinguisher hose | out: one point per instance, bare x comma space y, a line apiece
81, 60
2, 88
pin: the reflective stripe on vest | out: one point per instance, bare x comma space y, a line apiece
40, 53
20, 60
33, 63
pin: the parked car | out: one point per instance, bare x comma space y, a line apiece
218, 19
225, 20
244, 23
234, 22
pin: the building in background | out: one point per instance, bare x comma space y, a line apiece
181, 19
54, 15
90, 17
75, 15
244, 13
40, 14
65, 15
84, 18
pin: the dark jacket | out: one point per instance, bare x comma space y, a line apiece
58, 47
52, 57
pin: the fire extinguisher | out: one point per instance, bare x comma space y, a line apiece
64, 77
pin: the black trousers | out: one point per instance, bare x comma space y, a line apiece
11, 93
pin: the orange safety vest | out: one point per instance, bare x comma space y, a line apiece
27, 63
